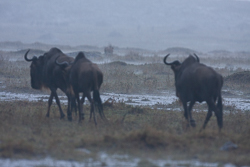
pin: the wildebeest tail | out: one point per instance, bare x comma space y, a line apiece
96, 96
98, 100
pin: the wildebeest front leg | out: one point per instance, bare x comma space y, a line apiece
49, 103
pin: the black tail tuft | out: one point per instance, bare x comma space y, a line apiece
97, 99
96, 96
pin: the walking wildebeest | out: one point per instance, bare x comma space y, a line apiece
45, 73
197, 82
84, 77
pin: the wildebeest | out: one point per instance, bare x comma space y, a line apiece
84, 77
45, 73
109, 50
195, 81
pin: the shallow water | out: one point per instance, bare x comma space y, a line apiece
104, 159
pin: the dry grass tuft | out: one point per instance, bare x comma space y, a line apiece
11, 147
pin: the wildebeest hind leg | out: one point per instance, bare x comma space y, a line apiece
219, 113
191, 120
69, 110
211, 107
83, 99
185, 111
92, 109
80, 107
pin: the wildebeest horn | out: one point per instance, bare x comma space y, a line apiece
26, 58
198, 60
62, 64
174, 62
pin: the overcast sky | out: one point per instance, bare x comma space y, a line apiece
149, 24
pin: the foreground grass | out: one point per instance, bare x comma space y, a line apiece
25, 132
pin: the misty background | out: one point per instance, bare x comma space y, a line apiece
147, 24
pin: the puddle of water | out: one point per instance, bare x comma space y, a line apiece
104, 159
239, 103
141, 100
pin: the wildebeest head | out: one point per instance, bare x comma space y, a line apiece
178, 67
36, 69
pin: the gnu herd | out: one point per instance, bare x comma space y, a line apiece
194, 82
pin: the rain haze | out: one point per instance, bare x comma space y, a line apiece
154, 25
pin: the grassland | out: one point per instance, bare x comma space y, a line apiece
144, 132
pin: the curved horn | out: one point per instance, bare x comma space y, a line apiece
26, 58
62, 64
165, 58
174, 62
197, 58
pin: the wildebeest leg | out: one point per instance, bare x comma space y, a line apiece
219, 113
59, 105
69, 110
185, 111
73, 105
191, 120
80, 107
49, 104
211, 107
92, 109
83, 99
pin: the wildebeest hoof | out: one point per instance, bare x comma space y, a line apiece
62, 116
192, 123
47, 115
70, 119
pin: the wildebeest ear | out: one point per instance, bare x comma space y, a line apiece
40, 59
64, 66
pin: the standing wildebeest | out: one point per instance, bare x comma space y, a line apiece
109, 50
45, 73
84, 77
197, 82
